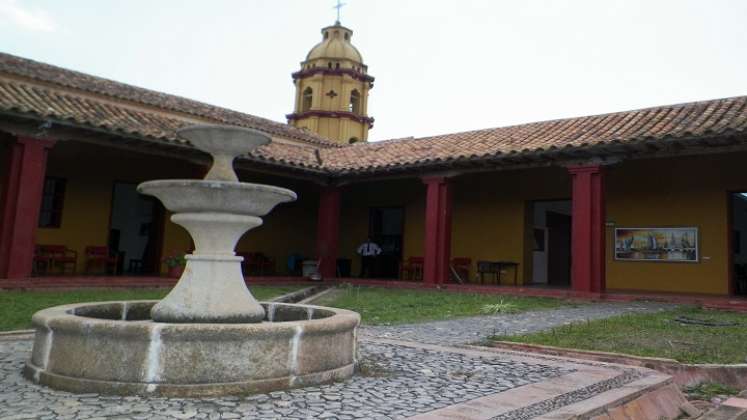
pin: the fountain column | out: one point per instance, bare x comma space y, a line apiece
216, 212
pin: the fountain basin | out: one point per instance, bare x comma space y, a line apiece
114, 348
202, 196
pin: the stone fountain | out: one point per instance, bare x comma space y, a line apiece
208, 336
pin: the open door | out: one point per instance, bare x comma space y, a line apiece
385, 229
136, 231
551, 253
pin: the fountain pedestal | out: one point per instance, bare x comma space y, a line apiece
216, 215
212, 287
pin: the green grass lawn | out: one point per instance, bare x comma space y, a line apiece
16, 307
380, 306
655, 335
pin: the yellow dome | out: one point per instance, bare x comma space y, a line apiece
335, 45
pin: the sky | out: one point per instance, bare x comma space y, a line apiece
440, 66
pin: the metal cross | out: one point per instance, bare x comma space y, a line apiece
338, 6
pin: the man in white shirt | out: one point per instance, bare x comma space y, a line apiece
368, 251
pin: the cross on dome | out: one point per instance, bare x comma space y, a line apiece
338, 6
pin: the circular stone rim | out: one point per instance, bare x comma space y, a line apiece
62, 313
59, 319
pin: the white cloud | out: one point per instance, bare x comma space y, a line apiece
26, 18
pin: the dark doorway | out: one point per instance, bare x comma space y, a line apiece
551, 256
385, 228
739, 243
136, 230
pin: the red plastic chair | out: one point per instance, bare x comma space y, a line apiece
412, 269
461, 266
47, 257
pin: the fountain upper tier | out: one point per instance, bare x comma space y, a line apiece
200, 196
223, 143
220, 191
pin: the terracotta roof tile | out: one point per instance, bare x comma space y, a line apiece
42, 72
46, 91
707, 118
22, 98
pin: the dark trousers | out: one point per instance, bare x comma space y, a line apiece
367, 267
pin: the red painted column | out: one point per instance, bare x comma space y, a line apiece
437, 245
328, 231
21, 204
588, 229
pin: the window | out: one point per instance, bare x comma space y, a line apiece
53, 197
355, 102
307, 96
347, 36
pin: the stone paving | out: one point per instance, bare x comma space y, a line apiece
473, 329
394, 382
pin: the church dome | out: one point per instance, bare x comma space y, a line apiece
335, 45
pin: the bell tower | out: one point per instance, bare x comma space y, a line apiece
332, 89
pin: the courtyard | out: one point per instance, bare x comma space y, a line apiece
540, 227
414, 365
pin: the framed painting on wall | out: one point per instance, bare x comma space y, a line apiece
678, 244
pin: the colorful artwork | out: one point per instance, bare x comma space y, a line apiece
657, 244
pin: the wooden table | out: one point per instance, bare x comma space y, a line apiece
495, 268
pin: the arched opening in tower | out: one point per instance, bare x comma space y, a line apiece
308, 94
355, 102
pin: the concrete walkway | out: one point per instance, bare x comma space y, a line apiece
473, 329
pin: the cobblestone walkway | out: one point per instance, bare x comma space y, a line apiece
395, 380
469, 330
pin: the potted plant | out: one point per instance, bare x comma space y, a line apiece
174, 264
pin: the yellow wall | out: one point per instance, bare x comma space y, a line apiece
489, 215
357, 199
90, 172
675, 192
487, 219
289, 228
489, 211
336, 128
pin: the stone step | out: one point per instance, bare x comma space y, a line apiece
725, 413
665, 403
732, 409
